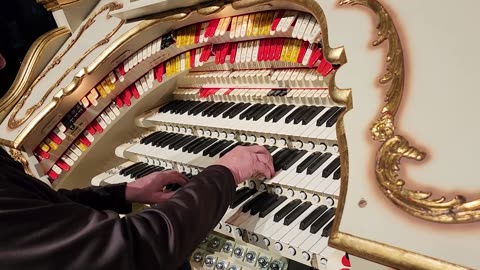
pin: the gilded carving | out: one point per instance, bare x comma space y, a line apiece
43, 48
15, 122
17, 156
395, 147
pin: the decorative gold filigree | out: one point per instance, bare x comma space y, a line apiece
13, 122
53, 5
395, 147
18, 156
44, 48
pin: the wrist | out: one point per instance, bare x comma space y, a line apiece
131, 193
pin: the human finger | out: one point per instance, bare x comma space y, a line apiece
258, 149
268, 160
263, 169
172, 173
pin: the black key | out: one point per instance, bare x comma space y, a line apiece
156, 137
296, 213
271, 198
204, 145
230, 148
334, 117
212, 108
319, 162
160, 139
171, 140
191, 144
185, 138
301, 115
199, 108
327, 115
294, 114
284, 93
312, 217
317, 225
232, 109
258, 110
188, 140
189, 148
277, 110
209, 149
271, 148
336, 174
239, 192
286, 165
135, 169
189, 107
177, 105
178, 109
125, 171
272, 206
261, 113
284, 156
312, 114
146, 139
147, 172
224, 108
243, 197
328, 228
203, 108
281, 114
308, 161
286, 209
242, 109
331, 167
140, 172
248, 111
168, 106
248, 205
220, 148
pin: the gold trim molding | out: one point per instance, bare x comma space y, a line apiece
13, 121
36, 58
18, 156
54, 5
395, 147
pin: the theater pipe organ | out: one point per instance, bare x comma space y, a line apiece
337, 91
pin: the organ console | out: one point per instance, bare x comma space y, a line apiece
144, 86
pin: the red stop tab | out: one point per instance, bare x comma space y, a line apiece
42, 154
119, 102
52, 175
97, 126
84, 140
121, 69
134, 91
91, 130
55, 138
64, 166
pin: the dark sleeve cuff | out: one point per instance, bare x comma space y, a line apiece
117, 192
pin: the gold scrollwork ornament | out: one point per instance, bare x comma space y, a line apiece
395, 147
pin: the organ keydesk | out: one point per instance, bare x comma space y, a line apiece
144, 86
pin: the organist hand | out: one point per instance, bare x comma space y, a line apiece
246, 162
150, 188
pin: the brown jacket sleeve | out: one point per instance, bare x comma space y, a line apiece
41, 229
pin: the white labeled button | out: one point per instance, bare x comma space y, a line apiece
292, 251
290, 192
278, 246
330, 201
303, 195
306, 256
278, 190
266, 242
316, 198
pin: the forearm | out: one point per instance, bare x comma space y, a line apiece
111, 197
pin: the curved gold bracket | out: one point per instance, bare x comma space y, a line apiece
37, 57
13, 121
395, 147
